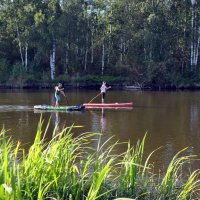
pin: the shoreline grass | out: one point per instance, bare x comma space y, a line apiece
69, 167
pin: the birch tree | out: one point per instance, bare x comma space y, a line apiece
54, 12
138, 39
53, 58
21, 16
195, 37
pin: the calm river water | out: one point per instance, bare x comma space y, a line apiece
171, 119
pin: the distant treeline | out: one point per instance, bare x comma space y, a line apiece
145, 42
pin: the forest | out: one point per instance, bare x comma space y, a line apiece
82, 42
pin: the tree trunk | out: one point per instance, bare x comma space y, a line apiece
109, 43
102, 59
194, 39
26, 57
86, 53
121, 49
67, 58
92, 56
19, 43
52, 60
109, 51
197, 48
77, 48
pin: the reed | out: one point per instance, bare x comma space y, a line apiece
172, 183
135, 173
68, 167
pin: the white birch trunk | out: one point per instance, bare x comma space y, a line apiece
102, 59
92, 56
86, 53
76, 48
54, 57
67, 57
109, 44
19, 43
194, 39
196, 36
124, 43
51, 66
52, 61
26, 57
109, 51
197, 48
121, 50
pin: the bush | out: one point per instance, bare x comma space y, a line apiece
4, 71
97, 80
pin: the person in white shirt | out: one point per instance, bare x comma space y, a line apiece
103, 89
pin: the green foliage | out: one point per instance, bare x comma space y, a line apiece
68, 167
140, 39
94, 79
4, 71
63, 78
18, 70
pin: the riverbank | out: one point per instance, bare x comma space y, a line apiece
49, 85
70, 167
94, 81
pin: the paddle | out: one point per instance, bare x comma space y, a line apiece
94, 98
65, 97
98, 95
67, 101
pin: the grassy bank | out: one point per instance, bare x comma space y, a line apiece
78, 80
72, 168
68, 81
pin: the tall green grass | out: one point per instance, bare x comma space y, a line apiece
68, 167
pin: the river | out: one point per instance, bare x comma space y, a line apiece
170, 119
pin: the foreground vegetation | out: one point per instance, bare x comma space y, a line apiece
68, 167
152, 43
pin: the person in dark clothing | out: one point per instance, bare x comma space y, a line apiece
58, 89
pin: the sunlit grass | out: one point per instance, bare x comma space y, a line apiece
68, 167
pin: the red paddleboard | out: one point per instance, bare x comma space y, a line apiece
108, 105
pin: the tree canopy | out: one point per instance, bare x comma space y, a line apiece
150, 42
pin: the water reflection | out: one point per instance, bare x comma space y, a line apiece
98, 121
56, 121
103, 121
194, 117
170, 118
14, 108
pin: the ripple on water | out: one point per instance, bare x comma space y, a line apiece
11, 108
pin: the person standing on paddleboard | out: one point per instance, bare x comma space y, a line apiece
103, 89
58, 89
